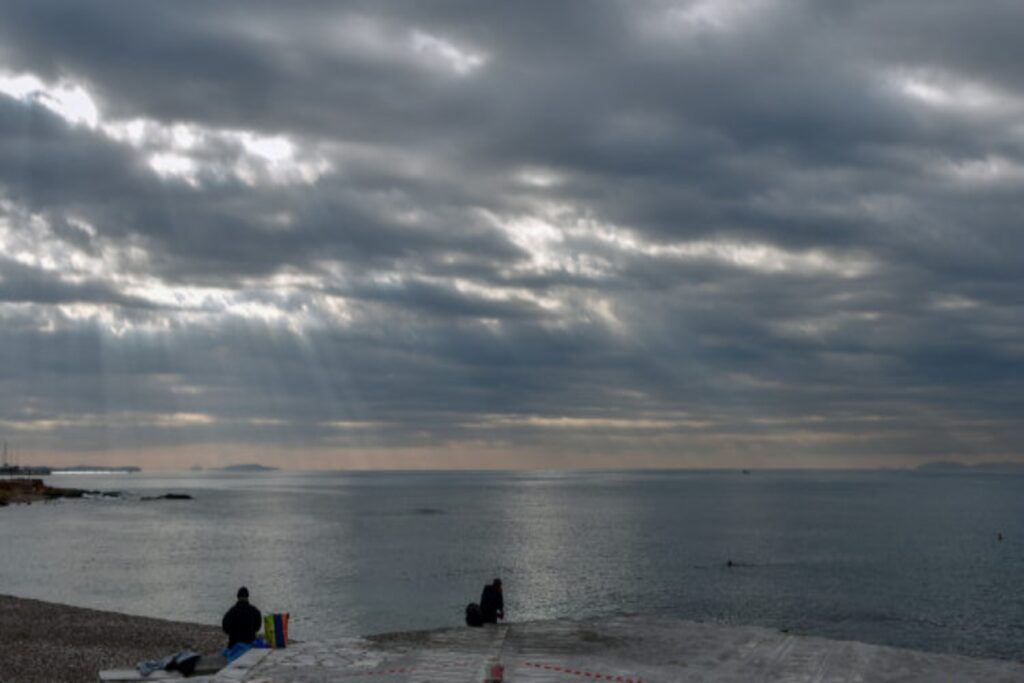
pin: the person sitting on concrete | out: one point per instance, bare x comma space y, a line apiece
242, 621
492, 603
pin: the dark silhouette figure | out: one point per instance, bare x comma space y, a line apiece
473, 615
492, 603
242, 621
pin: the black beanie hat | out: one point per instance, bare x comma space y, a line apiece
243, 592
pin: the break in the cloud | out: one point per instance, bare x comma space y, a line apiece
517, 234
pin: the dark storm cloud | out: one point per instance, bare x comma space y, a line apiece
21, 284
723, 229
52, 167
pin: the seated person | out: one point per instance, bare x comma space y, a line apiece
492, 603
243, 621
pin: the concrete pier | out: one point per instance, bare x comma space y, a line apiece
618, 649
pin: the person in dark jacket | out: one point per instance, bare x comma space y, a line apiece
242, 621
492, 603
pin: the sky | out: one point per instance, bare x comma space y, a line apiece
531, 234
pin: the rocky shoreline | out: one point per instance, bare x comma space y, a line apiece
28, 491
34, 490
50, 643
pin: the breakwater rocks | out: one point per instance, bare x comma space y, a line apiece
168, 496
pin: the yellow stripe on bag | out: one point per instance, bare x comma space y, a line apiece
268, 629
275, 630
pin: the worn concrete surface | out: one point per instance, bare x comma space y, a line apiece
620, 649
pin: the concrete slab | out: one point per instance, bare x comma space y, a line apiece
619, 650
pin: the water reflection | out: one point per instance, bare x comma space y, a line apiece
901, 559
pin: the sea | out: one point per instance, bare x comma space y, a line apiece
925, 560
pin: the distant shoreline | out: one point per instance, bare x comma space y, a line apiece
46, 471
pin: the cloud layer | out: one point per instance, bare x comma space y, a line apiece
615, 233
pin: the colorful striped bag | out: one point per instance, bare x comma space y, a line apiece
275, 630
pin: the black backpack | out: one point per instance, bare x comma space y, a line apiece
473, 615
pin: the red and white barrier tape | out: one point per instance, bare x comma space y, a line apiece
374, 672
582, 673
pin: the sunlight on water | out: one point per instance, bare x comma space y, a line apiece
905, 559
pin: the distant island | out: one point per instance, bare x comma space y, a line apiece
952, 466
248, 467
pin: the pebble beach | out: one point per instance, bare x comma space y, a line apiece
53, 643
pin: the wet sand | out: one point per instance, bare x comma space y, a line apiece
47, 642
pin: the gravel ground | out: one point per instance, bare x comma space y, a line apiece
46, 642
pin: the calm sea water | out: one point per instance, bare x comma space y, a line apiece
907, 559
